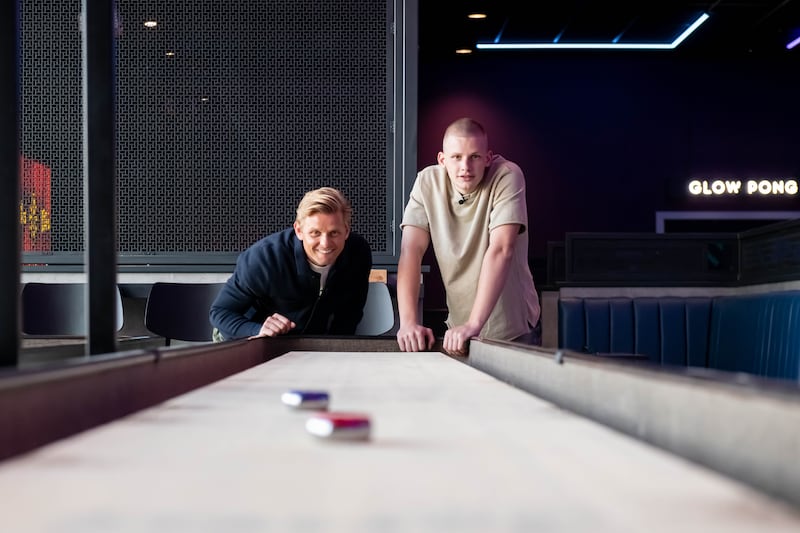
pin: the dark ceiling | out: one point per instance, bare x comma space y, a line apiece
762, 27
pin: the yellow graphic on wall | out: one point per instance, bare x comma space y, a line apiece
34, 218
35, 214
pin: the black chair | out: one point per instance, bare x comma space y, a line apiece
58, 309
180, 310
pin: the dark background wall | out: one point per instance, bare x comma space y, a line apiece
227, 113
606, 140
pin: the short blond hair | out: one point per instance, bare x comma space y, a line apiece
325, 200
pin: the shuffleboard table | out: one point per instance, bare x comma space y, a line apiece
509, 439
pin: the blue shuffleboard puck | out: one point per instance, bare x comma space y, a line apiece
306, 399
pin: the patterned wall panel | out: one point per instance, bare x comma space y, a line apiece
227, 113
770, 253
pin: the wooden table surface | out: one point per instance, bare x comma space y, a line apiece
452, 449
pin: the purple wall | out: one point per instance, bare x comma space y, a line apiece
605, 141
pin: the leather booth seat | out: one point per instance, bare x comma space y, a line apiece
754, 333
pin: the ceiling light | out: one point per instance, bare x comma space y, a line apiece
170, 53
464, 51
792, 44
597, 46
476, 16
150, 23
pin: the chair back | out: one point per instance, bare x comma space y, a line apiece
379, 317
180, 310
58, 309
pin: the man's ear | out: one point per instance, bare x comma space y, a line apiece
440, 158
298, 230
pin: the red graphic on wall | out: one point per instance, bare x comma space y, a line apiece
34, 206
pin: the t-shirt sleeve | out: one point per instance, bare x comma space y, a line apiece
415, 214
509, 204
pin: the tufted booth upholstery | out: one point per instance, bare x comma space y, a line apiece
758, 333
666, 330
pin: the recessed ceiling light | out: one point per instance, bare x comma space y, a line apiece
476, 16
170, 53
464, 51
150, 23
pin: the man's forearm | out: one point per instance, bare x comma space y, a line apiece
408, 276
494, 271
233, 324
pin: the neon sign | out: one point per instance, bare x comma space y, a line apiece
763, 187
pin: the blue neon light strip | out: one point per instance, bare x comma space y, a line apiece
793, 44
597, 46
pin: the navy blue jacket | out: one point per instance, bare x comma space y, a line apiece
273, 276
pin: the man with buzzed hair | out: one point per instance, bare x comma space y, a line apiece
310, 278
472, 208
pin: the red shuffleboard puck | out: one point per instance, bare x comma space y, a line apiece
344, 426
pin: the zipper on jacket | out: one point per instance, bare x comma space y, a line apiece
314, 308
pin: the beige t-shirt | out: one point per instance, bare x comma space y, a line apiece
460, 237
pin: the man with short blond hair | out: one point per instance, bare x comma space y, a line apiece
311, 278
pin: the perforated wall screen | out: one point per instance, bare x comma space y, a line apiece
228, 112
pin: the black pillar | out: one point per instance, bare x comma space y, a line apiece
9, 183
99, 154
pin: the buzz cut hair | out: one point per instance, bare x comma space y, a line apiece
465, 127
325, 200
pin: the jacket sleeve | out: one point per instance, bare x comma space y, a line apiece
350, 307
229, 311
